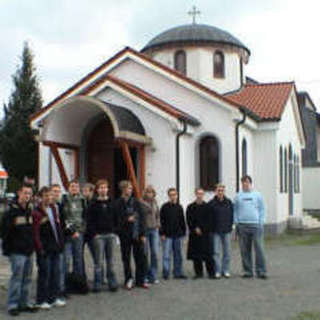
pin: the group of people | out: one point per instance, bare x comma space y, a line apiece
58, 228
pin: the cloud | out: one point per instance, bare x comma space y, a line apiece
70, 38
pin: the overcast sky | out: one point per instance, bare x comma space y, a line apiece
71, 37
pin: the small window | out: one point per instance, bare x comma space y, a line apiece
180, 61
285, 170
281, 169
209, 162
244, 158
218, 65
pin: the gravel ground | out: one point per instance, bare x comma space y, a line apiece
293, 287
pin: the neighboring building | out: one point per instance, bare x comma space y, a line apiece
179, 113
3, 181
311, 154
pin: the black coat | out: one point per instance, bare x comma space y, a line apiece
221, 215
17, 231
199, 246
124, 209
173, 224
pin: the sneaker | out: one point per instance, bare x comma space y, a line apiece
29, 308
165, 277
14, 312
155, 281
44, 306
247, 276
144, 285
181, 277
217, 275
227, 275
129, 284
113, 284
197, 276
59, 303
262, 276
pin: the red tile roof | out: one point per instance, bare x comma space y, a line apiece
266, 100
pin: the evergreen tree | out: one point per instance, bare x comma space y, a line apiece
18, 148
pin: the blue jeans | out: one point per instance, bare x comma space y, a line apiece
152, 248
252, 234
104, 248
48, 282
74, 250
20, 281
62, 272
172, 245
225, 240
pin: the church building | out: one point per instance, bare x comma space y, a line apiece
180, 112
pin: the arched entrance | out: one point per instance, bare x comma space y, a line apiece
91, 139
105, 157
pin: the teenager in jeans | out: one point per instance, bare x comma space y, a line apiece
132, 235
18, 245
172, 231
152, 215
57, 201
102, 224
249, 216
88, 193
48, 239
73, 214
221, 211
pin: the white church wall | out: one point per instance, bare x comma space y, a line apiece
264, 173
160, 157
230, 82
173, 93
44, 159
286, 135
310, 184
200, 66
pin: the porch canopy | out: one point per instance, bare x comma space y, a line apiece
66, 123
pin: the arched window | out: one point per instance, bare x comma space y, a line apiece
244, 157
180, 61
285, 170
209, 162
281, 168
218, 64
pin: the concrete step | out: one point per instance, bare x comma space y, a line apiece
305, 222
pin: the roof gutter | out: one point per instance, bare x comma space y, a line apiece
238, 124
178, 136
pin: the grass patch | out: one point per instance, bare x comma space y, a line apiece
291, 239
307, 316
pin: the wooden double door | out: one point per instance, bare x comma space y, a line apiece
105, 159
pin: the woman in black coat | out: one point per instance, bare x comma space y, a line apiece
200, 247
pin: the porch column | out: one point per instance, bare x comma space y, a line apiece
130, 167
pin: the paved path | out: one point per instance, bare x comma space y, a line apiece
293, 287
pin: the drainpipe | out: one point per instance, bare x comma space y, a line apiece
179, 135
238, 124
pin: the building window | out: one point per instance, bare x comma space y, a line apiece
209, 162
218, 64
180, 61
281, 168
285, 170
244, 157
297, 167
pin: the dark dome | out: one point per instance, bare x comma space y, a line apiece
194, 33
